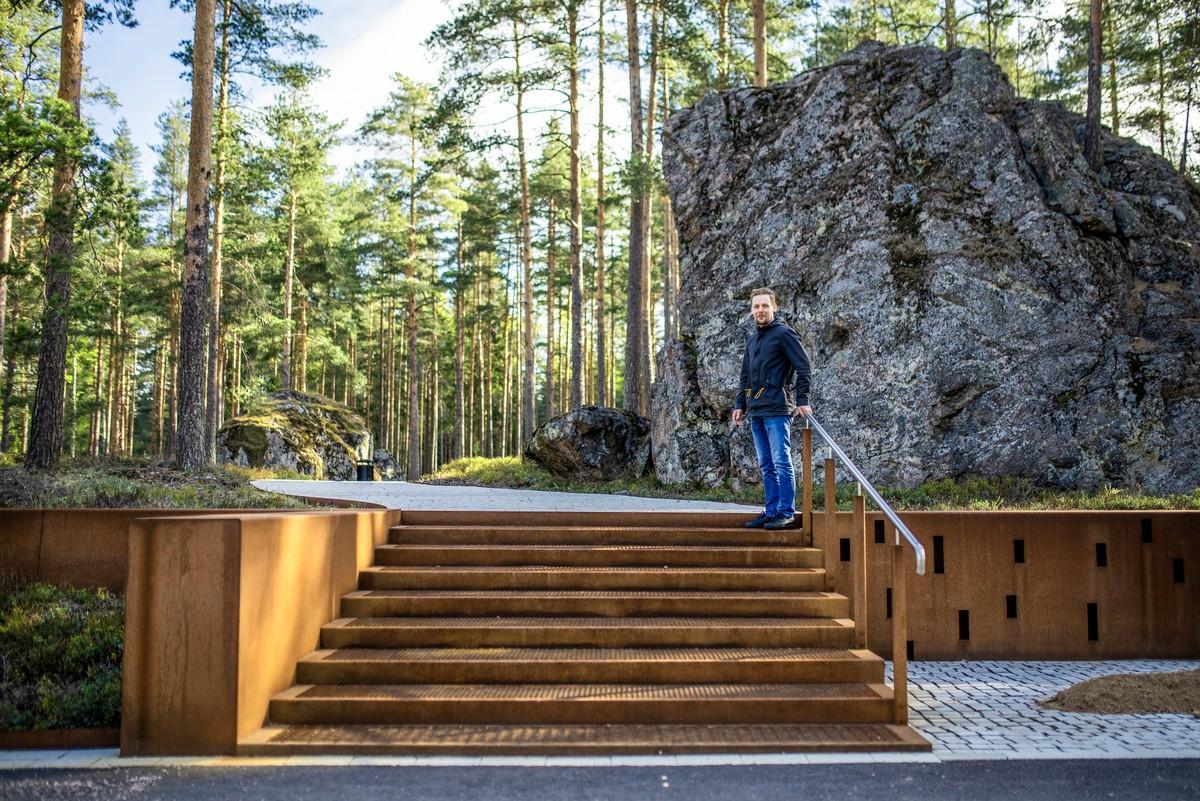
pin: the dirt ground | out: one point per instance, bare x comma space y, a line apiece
1130, 693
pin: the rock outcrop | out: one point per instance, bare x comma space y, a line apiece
592, 443
297, 431
976, 301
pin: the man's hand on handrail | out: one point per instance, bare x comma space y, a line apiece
801, 411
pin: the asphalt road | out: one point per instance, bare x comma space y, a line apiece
1033, 780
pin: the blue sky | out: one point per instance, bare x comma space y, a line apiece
365, 42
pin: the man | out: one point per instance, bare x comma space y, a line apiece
774, 388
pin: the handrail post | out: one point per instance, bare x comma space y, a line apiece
806, 506
899, 636
858, 565
830, 501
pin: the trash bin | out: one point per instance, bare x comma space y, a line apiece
366, 470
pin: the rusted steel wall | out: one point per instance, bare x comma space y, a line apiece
219, 609
86, 547
1035, 585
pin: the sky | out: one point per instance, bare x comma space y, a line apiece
366, 41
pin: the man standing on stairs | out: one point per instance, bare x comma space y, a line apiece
773, 389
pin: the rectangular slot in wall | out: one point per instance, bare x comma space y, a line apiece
964, 624
888, 603
1101, 554
939, 554
1010, 606
1177, 570
1147, 530
1093, 617
844, 549
908, 650
879, 532
1019, 551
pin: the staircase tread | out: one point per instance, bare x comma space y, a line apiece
396, 546
560, 527
855, 691
543, 654
758, 594
606, 738
587, 622
670, 738
534, 568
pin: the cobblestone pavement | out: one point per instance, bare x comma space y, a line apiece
968, 710
989, 710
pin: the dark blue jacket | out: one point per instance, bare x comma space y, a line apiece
775, 371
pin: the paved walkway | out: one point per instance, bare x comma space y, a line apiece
989, 710
968, 710
406, 495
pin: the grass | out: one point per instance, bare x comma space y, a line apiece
144, 483
946, 494
60, 657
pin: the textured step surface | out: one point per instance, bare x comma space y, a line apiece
678, 519
608, 603
586, 535
597, 632
602, 739
583, 703
588, 665
600, 555
539, 577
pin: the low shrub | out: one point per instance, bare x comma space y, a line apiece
60, 657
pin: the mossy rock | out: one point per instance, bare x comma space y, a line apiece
311, 434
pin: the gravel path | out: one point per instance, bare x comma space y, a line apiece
406, 495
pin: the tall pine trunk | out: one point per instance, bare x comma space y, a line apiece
414, 386
602, 398
46, 430
215, 362
529, 414
1093, 149
577, 366
289, 271
635, 320
457, 442
760, 42
551, 303
189, 439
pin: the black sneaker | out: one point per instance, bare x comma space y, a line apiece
759, 521
777, 523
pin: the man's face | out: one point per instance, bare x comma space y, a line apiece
762, 308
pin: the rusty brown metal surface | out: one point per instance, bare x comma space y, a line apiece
1140, 569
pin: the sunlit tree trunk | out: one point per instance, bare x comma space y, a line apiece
760, 42
602, 397
529, 415
215, 362
635, 321
46, 430
1093, 148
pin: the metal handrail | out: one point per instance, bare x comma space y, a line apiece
883, 505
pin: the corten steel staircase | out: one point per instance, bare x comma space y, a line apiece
571, 633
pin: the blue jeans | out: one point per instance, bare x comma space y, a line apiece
773, 443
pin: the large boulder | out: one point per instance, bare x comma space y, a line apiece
293, 430
592, 443
975, 299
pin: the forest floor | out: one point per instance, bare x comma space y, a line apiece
947, 494
140, 483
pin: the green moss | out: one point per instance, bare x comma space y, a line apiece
142, 483
62, 657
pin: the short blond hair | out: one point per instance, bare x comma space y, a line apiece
765, 290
